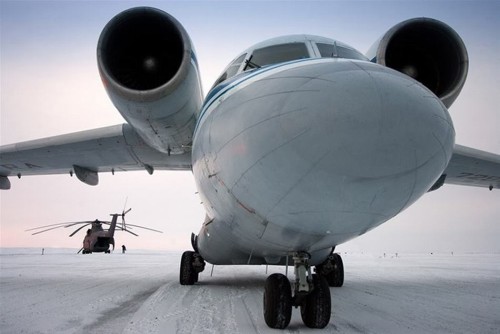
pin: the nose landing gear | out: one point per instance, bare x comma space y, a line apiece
191, 265
310, 292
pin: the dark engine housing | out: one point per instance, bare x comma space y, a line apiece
427, 50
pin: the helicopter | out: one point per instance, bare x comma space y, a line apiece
97, 239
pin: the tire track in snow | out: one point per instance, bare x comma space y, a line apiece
117, 317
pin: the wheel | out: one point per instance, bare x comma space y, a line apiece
333, 270
338, 271
277, 301
316, 308
187, 275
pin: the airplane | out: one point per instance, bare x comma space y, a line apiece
302, 144
96, 240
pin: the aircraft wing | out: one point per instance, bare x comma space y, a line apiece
471, 167
86, 153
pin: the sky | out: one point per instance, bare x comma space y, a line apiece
50, 85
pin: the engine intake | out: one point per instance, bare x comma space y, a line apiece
142, 49
427, 50
149, 69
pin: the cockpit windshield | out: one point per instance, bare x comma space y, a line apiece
268, 55
277, 54
285, 49
334, 50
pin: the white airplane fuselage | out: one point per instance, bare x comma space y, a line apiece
311, 153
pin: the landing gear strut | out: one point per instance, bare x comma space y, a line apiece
310, 292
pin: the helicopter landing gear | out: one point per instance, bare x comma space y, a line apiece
332, 269
191, 265
310, 292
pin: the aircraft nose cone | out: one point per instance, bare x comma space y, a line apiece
330, 142
369, 122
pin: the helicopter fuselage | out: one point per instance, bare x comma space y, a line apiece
98, 240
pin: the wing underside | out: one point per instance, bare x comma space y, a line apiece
119, 148
110, 149
471, 167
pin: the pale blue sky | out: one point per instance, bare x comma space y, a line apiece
50, 85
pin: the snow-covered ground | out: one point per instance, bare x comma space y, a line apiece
61, 292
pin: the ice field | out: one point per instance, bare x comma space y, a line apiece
138, 292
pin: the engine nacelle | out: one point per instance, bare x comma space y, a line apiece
149, 69
427, 50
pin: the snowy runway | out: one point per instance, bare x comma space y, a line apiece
61, 292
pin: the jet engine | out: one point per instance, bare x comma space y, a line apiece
427, 50
149, 69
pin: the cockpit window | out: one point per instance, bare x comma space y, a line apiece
349, 53
327, 50
277, 54
231, 70
337, 51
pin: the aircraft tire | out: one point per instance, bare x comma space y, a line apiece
277, 301
316, 308
187, 275
337, 279
335, 276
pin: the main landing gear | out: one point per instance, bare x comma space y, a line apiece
310, 292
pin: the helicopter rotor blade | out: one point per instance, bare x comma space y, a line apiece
52, 228
124, 225
125, 205
78, 229
35, 228
77, 223
146, 228
67, 224
131, 232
